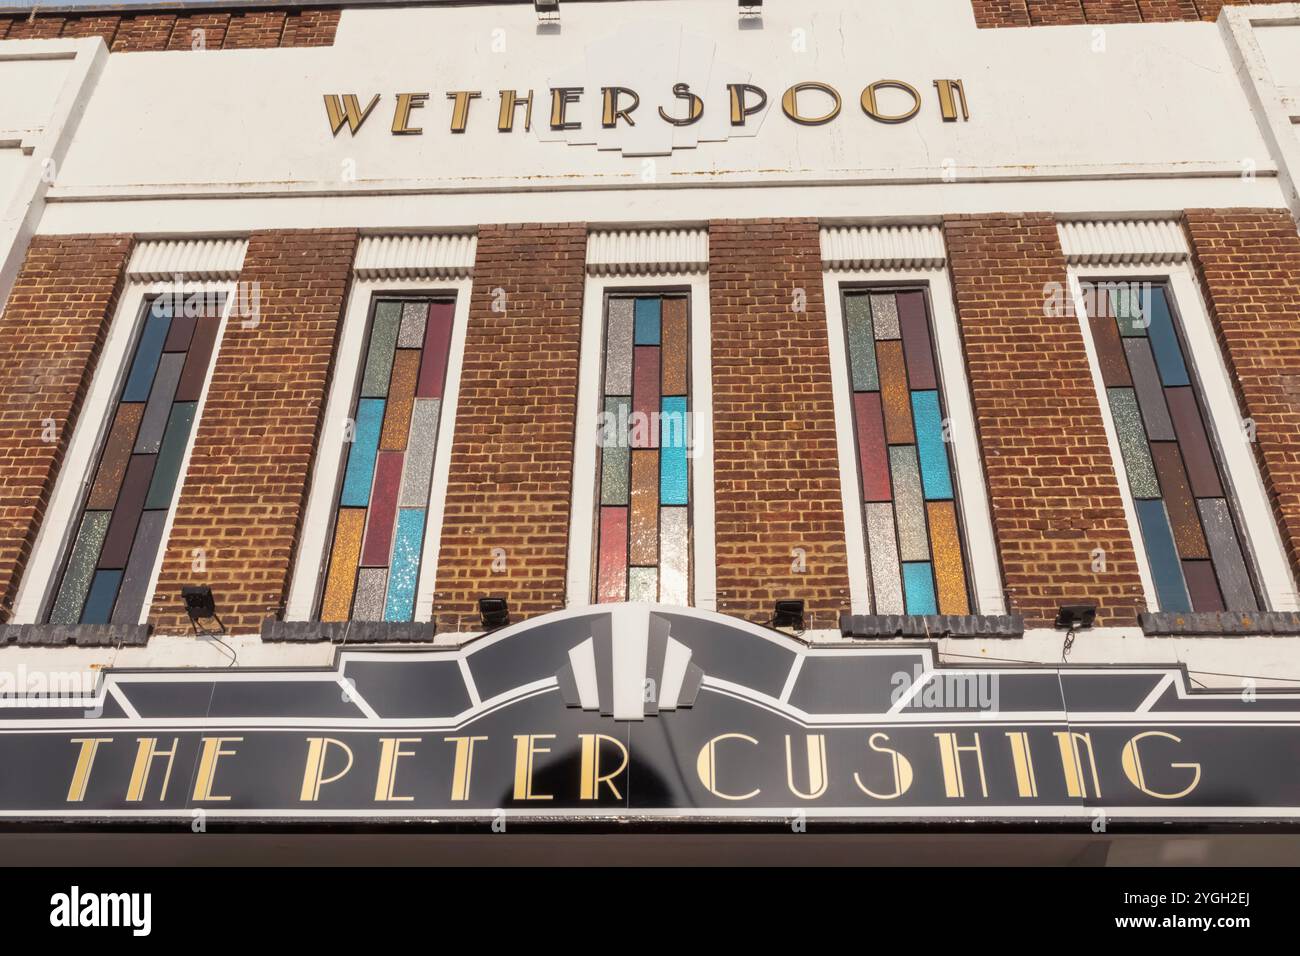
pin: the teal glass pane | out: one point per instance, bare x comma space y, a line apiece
1162, 555
404, 572
918, 586
935, 477
361, 456
647, 321
140, 380
672, 454
168, 468
103, 592
1164, 341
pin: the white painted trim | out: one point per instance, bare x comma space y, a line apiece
1264, 540
883, 247
1144, 242
309, 571
1272, 112
647, 252
582, 518
20, 216
77, 471
416, 256
1108, 422
969, 485
161, 260
889, 201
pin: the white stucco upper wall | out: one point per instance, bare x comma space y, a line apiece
1160, 100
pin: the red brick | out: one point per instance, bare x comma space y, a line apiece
1051, 479
1248, 264
244, 493
51, 333
144, 32
511, 467
256, 29
776, 466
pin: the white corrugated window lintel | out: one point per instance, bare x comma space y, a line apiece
1134, 242
416, 257
162, 260
647, 251
882, 247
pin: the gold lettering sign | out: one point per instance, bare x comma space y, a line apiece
390, 752
313, 777
706, 766
460, 111
611, 113
790, 104
694, 106
818, 780
872, 109
525, 750
1131, 761
347, 111
590, 777
561, 98
510, 100
618, 103
85, 761
463, 767
900, 766
145, 754
402, 115
206, 777
1072, 762
950, 757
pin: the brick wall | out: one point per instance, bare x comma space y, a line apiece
1025, 13
1248, 263
1051, 480
51, 332
246, 487
159, 30
511, 469
776, 470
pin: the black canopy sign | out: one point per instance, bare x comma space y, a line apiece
634, 712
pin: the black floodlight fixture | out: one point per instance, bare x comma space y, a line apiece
1075, 617
494, 612
788, 612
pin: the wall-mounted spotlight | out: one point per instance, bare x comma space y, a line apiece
1075, 617
494, 612
200, 606
788, 613
750, 9
548, 11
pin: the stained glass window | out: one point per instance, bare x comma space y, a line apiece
914, 546
383, 501
110, 565
644, 534
1187, 524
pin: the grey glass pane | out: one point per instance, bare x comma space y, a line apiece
1225, 549
909, 504
886, 577
139, 569
1151, 397
423, 443
411, 333
81, 568
884, 315
862, 343
159, 408
379, 358
618, 348
372, 586
1133, 443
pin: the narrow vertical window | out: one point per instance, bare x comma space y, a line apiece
914, 543
1187, 523
383, 501
108, 569
644, 528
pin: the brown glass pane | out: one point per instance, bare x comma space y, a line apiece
1110, 353
1202, 586
674, 346
126, 515
915, 329
117, 452
894, 393
195, 371
1201, 469
1179, 503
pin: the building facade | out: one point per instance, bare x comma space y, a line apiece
938, 317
